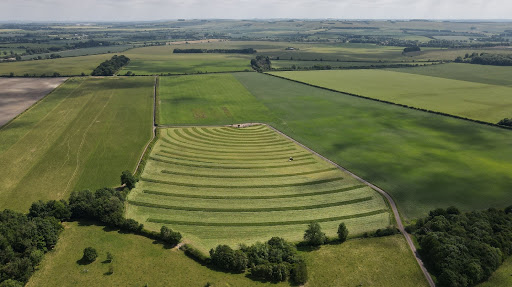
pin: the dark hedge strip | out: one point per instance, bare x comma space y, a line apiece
110, 67
270, 223
307, 183
261, 209
248, 176
232, 166
200, 156
277, 196
396, 104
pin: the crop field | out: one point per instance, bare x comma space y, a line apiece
208, 99
228, 186
477, 101
424, 161
161, 60
73, 66
83, 135
486, 74
84, 51
18, 95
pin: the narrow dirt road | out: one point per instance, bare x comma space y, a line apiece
385, 194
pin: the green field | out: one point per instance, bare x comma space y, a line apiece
161, 60
362, 262
137, 261
228, 186
81, 136
424, 161
477, 101
208, 99
486, 74
72, 66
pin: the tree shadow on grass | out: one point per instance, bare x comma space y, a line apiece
83, 261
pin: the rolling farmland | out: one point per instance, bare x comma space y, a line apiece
477, 101
208, 100
72, 66
227, 185
423, 160
81, 136
161, 60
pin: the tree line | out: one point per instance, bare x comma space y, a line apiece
110, 67
464, 249
219, 51
486, 59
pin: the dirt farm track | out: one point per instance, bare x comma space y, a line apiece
18, 94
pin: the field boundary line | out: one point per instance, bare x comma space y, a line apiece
154, 126
395, 104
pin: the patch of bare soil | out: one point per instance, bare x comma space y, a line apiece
19, 94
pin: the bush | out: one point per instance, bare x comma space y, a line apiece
227, 259
342, 232
128, 179
505, 122
386, 232
194, 254
132, 225
299, 273
314, 235
274, 272
169, 236
90, 254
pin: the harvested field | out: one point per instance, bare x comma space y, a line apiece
17, 95
228, 185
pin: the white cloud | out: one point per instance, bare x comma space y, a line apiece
127, 10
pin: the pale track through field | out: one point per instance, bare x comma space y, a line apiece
388, 197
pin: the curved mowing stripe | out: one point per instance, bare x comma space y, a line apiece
198, 142
284, 157
214, 141
222, 151
242, 131
230, 167
238, 161
313, 182
271, 223
247, 176
242, 137
231, 140
253, 197
262, 209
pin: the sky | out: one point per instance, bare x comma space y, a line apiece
151, 10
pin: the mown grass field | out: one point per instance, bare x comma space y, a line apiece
486, 74
161, 60
362, 262
72, 66
228, 186
477, 101
81, 136
208, 99
424, 161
